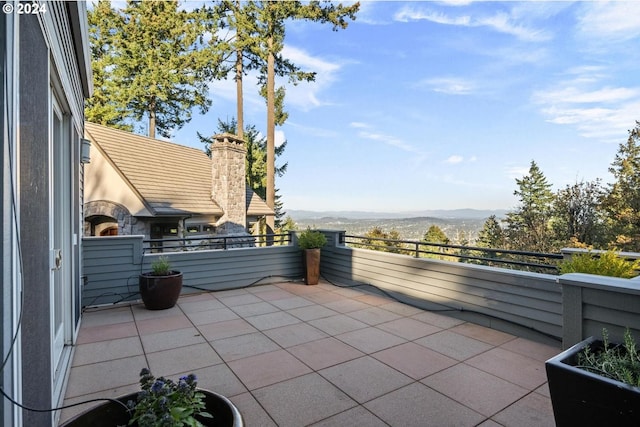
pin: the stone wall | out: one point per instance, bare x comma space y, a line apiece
228, 154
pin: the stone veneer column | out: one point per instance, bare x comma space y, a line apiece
228, 188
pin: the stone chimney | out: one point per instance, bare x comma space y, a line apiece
228, 188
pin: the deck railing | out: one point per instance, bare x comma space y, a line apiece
206, 242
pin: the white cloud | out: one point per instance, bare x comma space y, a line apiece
516, 172
449, 85
455, 159
359, 125
611, 20
500, 22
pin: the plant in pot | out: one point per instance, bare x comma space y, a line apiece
596, 383
163, 402
310, 241
160, 288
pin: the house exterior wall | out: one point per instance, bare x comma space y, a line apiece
44, 56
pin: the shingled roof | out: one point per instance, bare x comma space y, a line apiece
171, 179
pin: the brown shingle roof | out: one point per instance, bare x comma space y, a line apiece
172, 179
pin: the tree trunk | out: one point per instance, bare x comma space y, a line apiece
152, 119
240, 103
271, 132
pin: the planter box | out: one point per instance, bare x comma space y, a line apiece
111, 414
582, 398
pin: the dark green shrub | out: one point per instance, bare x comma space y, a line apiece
311, 239
606, 264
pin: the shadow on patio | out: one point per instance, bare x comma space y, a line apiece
293, 355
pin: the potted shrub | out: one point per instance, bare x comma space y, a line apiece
162, 402
310, 241
596, 383
160, 288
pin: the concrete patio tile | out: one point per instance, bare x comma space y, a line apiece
348, 291
301, 289
303, 400
354, 417
400, 308
324, 353
484, 334
106, 332
300, 333
255, 309
212, 316
259, 288
370, 340
242, 346
293, 302
171, 339
533, 410
106, 316
365, 378
253, 414
194, 305
408, 328
374, 315
102, 351
182, 359
274, 294
373, 299
544, 390
414, 360
267, 321
217, 378
171, 323
234, 300
338, 324
346, 305
87, 379
454, 345
324, 297
440, 320
267, 368
538, 351
480, 391
226, 329
141, 313
490, 423
522, 370
416, 405
311, 312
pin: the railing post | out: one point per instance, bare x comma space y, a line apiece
417, 250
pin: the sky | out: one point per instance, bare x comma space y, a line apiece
442, 105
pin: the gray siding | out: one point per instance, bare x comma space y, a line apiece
508, 297
595, 302
111, 266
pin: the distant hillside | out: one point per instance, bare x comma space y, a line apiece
457, 224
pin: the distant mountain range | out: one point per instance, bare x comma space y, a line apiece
438, 213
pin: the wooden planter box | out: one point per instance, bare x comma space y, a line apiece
582, 398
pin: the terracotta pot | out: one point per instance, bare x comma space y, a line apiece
111, 414
160, 292
311, 265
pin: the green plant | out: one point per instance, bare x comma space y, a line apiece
311, 239
161, 266
620, 363
165, 403
606, 264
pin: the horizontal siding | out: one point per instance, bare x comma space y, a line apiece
526, 299
111, 266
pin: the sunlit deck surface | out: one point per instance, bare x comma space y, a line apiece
293, 355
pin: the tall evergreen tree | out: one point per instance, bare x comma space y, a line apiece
622, 202
577, 219
528, 227
435, 235
491, 235
157, 54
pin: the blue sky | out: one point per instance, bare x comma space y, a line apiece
442, 105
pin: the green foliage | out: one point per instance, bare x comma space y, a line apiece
311, 239
576, 214
153, 61
163, 402
491, 235
528, 227
435, 235
620, 363
622, 202
379, 240
161, 266
606, 264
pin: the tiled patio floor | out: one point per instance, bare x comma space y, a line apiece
296, 355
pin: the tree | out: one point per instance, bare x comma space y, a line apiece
577, 220
622, 201
435, 235
376, 239
158, 56
491, 235
272, 16
528, 227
